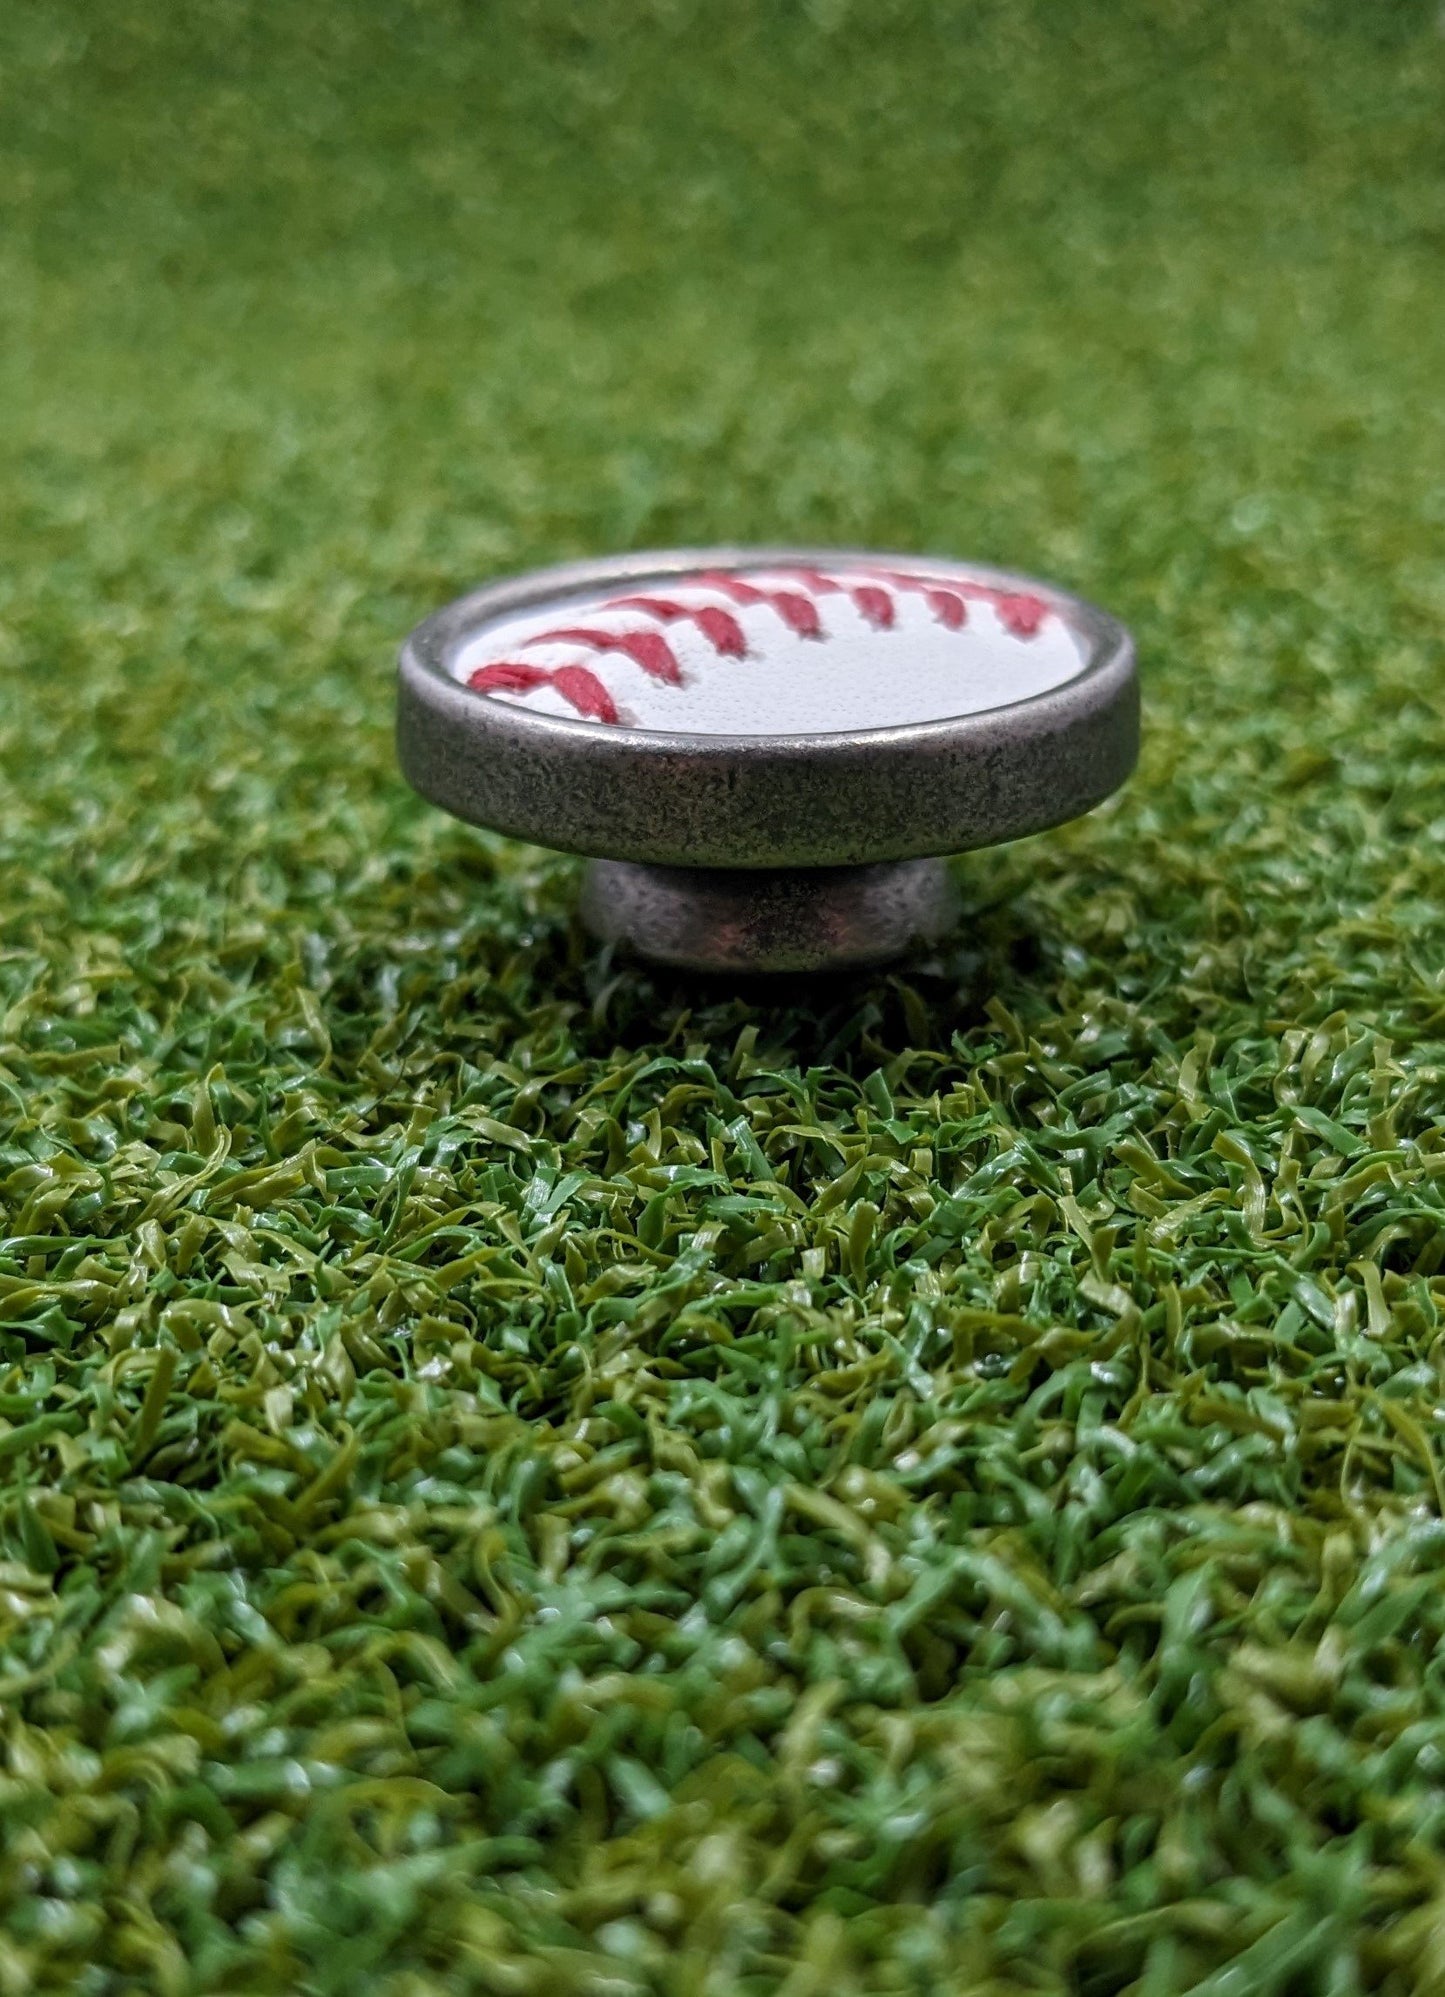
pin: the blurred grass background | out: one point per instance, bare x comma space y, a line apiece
521, 1476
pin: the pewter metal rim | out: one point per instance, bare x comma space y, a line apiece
830, 799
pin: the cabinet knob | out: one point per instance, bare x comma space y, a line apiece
763, 751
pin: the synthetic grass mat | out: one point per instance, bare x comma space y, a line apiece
517, 1475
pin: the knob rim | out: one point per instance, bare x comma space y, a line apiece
838, 798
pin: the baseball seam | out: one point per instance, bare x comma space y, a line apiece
872, 593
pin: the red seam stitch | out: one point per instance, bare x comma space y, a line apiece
946, 604
721, 629
797, 611
1020, 611
873, 604
648, 649
508, 676
579, 686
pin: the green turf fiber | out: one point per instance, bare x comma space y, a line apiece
522, 1476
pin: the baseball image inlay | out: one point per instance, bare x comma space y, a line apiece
779, 650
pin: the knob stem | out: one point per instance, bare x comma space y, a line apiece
765, 919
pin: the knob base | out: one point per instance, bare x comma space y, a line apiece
757, 919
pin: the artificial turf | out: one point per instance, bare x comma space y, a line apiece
518, 1475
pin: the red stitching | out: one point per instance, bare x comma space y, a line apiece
508, 676
721, 629
581, 686
1020, 611
872, 603
578, 685
648, 649
875, 604
797, 611
947, 604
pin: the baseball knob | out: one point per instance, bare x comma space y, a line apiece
765, 750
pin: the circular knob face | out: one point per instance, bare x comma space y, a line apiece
779, 649
768, 708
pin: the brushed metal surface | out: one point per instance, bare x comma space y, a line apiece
785, 919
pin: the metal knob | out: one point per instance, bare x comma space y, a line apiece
765, 749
